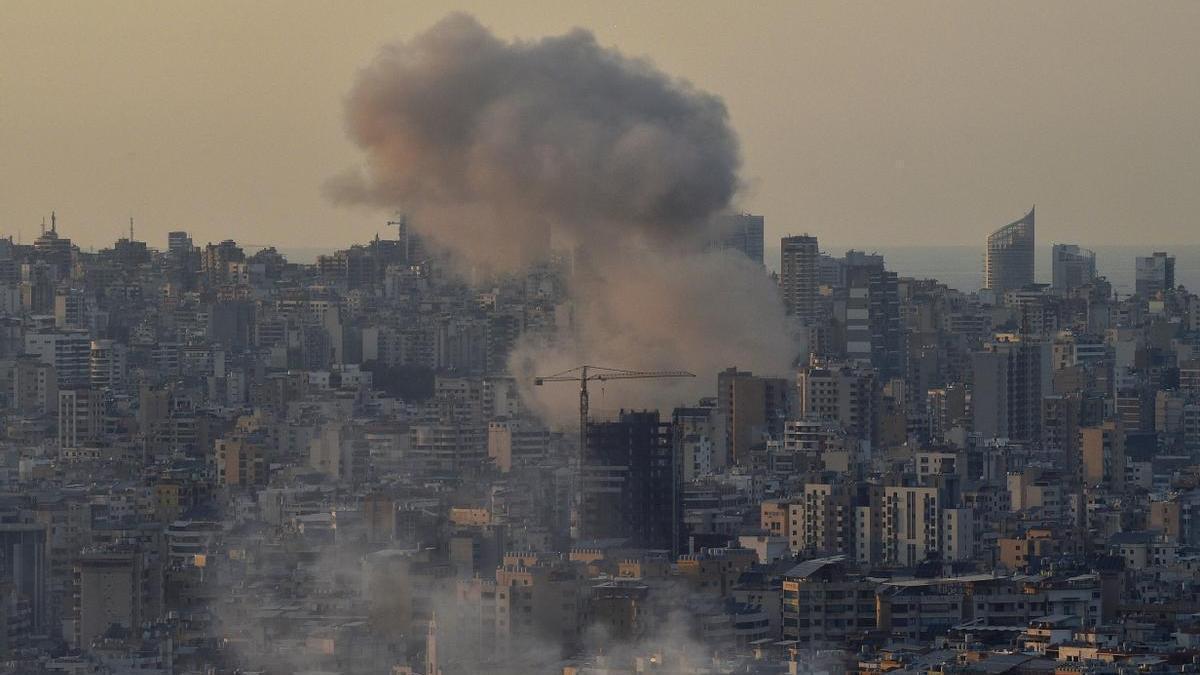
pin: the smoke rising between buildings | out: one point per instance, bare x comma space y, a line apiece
498, 148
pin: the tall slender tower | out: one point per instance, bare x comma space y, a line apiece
798, 271
1010, 255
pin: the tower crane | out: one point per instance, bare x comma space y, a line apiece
584, 374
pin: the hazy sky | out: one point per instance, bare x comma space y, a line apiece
873, 123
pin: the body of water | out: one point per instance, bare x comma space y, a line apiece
961, 267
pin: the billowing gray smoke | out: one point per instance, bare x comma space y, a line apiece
496, 147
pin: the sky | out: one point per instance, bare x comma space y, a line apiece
865, 124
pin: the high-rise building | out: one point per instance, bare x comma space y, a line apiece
1072, 267
34, 386
80, 416
216, 258
1009, 378
69, 351
753, 408
741, 232
912, 518
1010, 256
1102, 450
24, 568
179, 243
1060, 432
824, 522
37, 287
107, 364
847, 395
697, 435
829, 623
70, 308
874, 332
629, 482
798, 274
55, 251
1155, 274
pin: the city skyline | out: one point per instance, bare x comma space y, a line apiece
501, 346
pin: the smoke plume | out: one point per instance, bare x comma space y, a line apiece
496, 148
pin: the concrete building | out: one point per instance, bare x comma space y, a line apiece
111, 587
1060, 426
698, 434
107, 364
798, 275
1009, 378
1071, 267
35, 386
824, 606
517, 442
912, 524
71, 308
847, 395
824, 520
1154, 274
870, 315
80, 417
239, 462
69, 351
752, 409
179, 243
958, 535
1102, 450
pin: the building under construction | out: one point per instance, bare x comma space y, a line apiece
629, 487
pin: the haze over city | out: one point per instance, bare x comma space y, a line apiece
606, 339
867, 124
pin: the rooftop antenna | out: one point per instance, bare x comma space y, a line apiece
131, 229
53, 222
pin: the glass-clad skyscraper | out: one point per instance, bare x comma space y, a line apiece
1010, 253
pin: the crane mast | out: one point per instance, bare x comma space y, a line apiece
588, 373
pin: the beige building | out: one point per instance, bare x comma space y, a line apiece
239, 462
516, 443
823, 606
1103, 455
912, 518
849, 396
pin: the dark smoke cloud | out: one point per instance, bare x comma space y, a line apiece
491, 143
493, 147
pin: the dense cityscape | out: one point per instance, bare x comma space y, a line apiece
217, 461
577, 407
